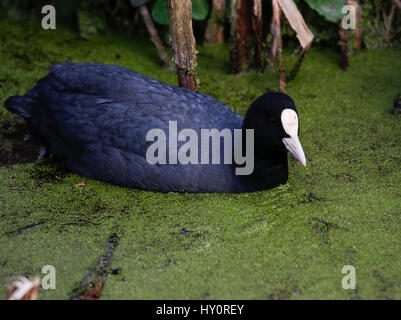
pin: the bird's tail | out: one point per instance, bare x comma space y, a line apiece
20, 105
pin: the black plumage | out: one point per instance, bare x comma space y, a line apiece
94, 119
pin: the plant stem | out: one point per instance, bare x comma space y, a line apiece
344, 48
275, 29
215, 26
154, 36
297, 65
281, 72
183, 42
389, 21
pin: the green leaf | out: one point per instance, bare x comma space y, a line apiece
329, 9
159, 12
200, 9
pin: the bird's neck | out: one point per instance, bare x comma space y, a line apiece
268, 173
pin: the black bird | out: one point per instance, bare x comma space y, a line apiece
96, 119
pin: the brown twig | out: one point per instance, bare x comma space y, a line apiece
215, 26
246, 36
397, 3
31, 226
183, 43
154, 36
91, 285
297, 65
275, 55
275, 29
326, 227
241, 36
344, 48
328, 224
256, 22
389, 21
281, 72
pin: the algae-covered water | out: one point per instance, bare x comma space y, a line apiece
291, 242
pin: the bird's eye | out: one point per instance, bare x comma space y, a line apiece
272, 120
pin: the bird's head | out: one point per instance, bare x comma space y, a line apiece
275, 120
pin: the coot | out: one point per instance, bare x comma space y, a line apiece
100, 121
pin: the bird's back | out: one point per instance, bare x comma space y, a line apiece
95, 117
